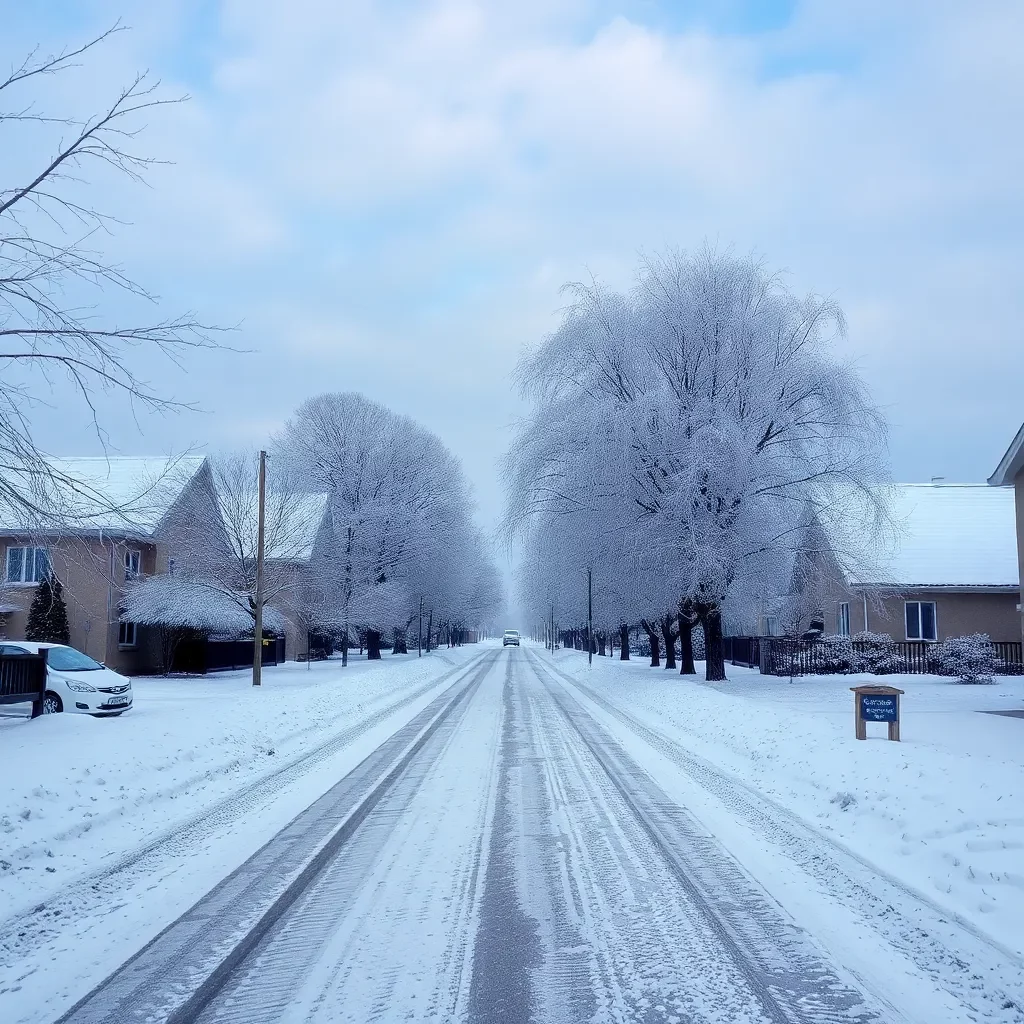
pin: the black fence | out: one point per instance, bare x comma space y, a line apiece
781, 657
23, 679
743, 650
197, 657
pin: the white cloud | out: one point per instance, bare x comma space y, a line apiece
390, 195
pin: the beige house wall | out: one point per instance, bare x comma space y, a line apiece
957, 614
92, 574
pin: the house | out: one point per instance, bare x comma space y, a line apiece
1010, 473
950, 569
109, 521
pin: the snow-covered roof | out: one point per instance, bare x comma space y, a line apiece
292, 522
170, 600
301, 524
949, 535
116, 494
1012, 463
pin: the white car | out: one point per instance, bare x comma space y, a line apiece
74, 682
511, 637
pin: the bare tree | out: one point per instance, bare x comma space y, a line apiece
49, 263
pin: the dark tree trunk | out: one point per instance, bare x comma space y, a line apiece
652, 635
372, 645
600, 644
344, 649
623, 642
430, 628
401, 646
669, 635
686, 666
714, 666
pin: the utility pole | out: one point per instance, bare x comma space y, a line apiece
419, 635
590, 617
257, 638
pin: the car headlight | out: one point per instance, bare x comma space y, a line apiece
78, 685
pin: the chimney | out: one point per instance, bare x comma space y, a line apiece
938, 481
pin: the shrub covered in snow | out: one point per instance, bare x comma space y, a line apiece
876, 653
836, 655
972, 659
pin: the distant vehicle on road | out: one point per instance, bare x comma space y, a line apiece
74, 682
511, 637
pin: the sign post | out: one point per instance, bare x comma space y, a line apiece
876, 704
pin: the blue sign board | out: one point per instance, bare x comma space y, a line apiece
878, 707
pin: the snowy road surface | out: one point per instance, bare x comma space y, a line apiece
521, 849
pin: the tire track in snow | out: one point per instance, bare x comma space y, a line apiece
506, 946
976, 971
706, 901
382, 934
177, 974
96, 894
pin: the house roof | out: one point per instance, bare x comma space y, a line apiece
949, 535
1012, 463
174, 601
118, 494
303, 516
292, 522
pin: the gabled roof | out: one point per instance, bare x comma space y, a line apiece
303, 517
172, 600
949, 535
1012, 464
292, 522
127, 495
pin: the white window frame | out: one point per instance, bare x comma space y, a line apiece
127, 634
132, 563
25, 580
920, 631
843, 619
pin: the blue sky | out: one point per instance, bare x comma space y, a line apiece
387, 196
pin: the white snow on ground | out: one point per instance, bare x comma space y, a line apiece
88, 792
942, 811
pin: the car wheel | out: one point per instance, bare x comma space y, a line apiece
52, 704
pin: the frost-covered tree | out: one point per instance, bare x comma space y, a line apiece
699, 416
401, 515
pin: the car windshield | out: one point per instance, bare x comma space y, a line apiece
67, 659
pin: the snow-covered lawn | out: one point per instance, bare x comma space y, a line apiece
942, 811
79, 793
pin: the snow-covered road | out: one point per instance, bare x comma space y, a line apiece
523, 849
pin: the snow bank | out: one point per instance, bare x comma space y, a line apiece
942, 811
86, 791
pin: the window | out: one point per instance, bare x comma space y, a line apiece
126, 634
921, 620
132, 561
844, 619
27, 565
170, 564
770, 626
